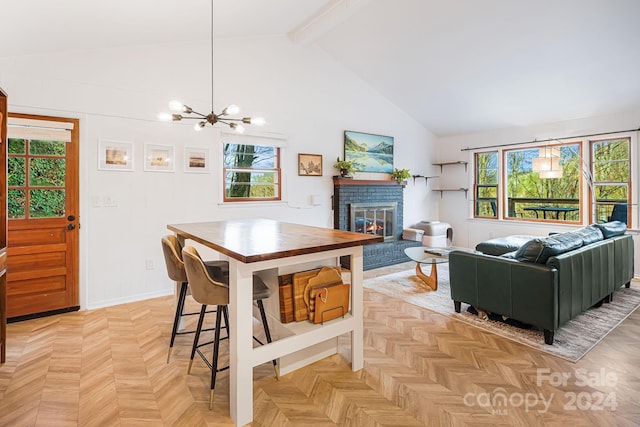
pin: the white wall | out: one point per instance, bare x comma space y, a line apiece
116, 93
458, 211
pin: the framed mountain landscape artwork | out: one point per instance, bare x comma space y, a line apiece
372, 153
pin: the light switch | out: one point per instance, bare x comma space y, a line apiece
110, 202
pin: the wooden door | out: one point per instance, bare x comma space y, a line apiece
42, 250
3, 226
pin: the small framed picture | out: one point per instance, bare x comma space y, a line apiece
115, 155
196, 160
159, 158
310, 164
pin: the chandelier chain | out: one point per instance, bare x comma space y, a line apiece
212, 41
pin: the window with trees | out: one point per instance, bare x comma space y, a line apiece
531, 195
588, 181
251, 172
611, 172
486, 185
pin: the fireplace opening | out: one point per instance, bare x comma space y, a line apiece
374, 218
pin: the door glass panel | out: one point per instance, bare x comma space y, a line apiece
16, 204
46, 203
47, 148
44, 163
16, 171
17, 146
47, 172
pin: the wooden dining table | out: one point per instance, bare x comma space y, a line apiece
266, 247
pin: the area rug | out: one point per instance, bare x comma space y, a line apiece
572, 341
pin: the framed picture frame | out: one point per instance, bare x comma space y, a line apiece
115, 155
159, 158
309, 164
372, 153
196, 160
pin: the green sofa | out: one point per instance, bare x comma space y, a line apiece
546, 281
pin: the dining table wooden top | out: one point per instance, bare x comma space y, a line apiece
253, 240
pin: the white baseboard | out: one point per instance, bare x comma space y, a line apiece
129, 298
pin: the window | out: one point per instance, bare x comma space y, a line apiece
572, 182
546, 183
611, 178
486, 185
532, 196
251, 172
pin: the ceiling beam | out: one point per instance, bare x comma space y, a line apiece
336, 12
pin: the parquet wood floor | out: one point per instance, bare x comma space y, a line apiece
108, 367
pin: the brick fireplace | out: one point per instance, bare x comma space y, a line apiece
373, 207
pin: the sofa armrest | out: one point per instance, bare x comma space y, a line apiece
586, 276
521, 290
623, 250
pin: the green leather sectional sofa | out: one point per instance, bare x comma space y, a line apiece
544, 281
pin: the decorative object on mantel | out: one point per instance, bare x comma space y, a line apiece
346, 167
372, 153
400, 175
212, 118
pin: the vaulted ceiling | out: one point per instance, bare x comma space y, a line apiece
457, 66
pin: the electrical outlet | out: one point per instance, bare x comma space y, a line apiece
148, 263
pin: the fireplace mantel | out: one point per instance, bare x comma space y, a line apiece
350, 181
348, 192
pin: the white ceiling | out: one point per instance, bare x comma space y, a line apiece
457, 66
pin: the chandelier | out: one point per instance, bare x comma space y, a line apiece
180, 111
547, 164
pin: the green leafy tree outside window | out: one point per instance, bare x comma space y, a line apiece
36, 175
251, 172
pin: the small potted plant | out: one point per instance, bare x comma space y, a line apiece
346, 167
400, 175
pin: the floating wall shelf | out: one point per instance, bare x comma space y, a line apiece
426, 178
442, 190
459, 162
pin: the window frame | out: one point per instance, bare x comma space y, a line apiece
586, 180
477, 186
544, 219
277, 170
628, 183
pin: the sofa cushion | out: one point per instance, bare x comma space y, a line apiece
509, 255
589, 234
612, 229
539, 250
502, 245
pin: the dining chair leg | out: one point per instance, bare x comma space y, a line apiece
265, 324
203, 310
176, 320
216, 348
225, 312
